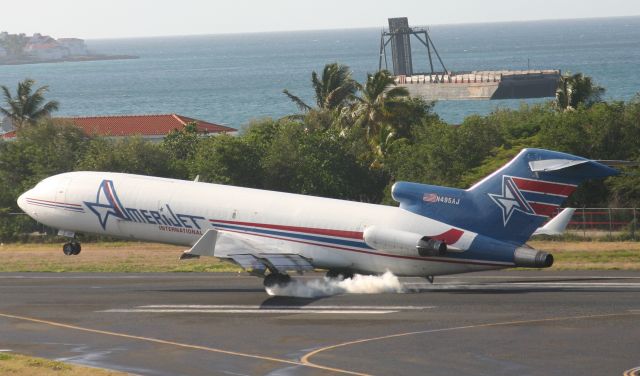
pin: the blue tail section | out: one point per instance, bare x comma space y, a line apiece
511, 203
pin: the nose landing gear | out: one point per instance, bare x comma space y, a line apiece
71, 248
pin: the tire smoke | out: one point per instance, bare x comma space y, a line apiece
359, 284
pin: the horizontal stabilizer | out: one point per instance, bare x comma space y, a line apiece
557, 224
554, 164
618, 163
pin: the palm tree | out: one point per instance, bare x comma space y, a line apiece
27, 106
333, 89
379, 95
382, 144
577, 89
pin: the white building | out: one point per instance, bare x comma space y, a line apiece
5, 125
46, 51
75, 46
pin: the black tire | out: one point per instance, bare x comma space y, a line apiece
276, 279
339, 274
67, 249
76, 248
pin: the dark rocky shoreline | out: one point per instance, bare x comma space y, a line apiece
67, 59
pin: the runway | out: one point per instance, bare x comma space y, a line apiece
497, 323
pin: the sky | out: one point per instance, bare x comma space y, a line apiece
91, 19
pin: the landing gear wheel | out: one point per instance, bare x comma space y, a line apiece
71, 248
76, 248
66, 248
276, 279
339, 274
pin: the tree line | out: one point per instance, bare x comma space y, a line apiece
352, 143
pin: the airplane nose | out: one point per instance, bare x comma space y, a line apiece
22, 201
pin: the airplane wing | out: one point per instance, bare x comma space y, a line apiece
558, 224
246, 252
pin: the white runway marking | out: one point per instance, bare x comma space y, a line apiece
316, 307
258, 311
525, 285
120, 276
5, 350
577, 276
275, 309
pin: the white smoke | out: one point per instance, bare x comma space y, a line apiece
359, 284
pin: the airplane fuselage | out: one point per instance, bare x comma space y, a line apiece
327, 231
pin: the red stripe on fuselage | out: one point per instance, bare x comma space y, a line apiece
113, 199
544, 186
450, 236
433, 259
54, 202
310, 230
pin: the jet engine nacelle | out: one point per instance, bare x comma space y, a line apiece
532, 258
403, 243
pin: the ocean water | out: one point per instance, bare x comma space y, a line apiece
232, 79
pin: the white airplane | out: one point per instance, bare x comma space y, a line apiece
435, 230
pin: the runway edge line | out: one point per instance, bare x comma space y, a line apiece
179, 344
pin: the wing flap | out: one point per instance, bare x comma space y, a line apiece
248, 262
287, 262
249, 253
281, 262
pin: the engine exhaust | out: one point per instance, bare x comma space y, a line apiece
532, 258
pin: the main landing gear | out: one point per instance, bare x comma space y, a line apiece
339, 274
279, 279
71, 248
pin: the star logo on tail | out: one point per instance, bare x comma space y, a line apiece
107, 204
511, 200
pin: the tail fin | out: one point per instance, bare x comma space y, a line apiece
511, 203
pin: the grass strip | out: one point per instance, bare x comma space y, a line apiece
22, 365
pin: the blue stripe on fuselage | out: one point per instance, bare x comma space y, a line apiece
348, 243
471, 254
55, 206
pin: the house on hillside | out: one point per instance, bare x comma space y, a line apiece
6, 125
46, 51
149, 127
74, 46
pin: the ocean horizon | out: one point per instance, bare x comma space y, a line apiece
234, 78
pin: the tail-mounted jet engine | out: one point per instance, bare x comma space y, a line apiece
532, 258
403, 243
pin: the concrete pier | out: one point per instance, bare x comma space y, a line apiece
482, 84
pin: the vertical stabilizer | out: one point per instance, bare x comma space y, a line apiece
511, 203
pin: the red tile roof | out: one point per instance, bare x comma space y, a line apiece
8, 135
145, 125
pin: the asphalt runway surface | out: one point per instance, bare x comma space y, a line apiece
497, 323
